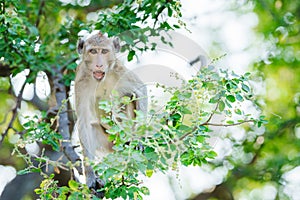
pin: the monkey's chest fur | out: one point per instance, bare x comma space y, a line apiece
115, 86
88, 94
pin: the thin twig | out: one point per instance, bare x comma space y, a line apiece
159, 11
206, 123
226, 125
15, 112
68, 62
213, 124
39, 13
213, 112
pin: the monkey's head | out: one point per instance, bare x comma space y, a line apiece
98, 53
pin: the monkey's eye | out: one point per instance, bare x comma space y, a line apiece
104, 51
93, 51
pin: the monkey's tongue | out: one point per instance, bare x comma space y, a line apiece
98, 75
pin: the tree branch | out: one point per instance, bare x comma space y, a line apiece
213, 124
63, 120
213, 112
159, 12
69, 62
206, 123
5, 70
15, 112
226, 125
39, 13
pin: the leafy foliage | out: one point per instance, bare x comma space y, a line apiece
277, 71
42, 35
50, 190
40, 132
167, 139
124, 22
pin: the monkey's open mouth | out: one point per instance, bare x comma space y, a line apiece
98, 75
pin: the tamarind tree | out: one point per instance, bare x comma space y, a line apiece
38, 44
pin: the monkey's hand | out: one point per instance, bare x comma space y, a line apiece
93, 182
104, 126
96, 185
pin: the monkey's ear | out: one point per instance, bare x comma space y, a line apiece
80, 44
116, 42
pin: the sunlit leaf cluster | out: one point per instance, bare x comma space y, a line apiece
40, 131
175, 136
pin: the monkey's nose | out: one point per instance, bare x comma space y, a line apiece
99, 66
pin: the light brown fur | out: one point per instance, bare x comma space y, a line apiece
92, 86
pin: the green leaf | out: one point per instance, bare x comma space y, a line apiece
183, 127
247, 74
245, 88
185, 110
64, 190
165, 25
238, 111
110, 172
170, 11
151, 155
187, 158
175, 116
126, 100
200, 138
2, 28
73, 185
23, 171
130, 55
221, 106
239, 97
111, 137
36, 170
230, 122
262, 117
211, 154
228, 104
214, 99
185, 95
230, 98
38, 191
149, 172
145, 190
259, 123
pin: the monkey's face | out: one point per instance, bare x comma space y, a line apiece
99, 59
99, 54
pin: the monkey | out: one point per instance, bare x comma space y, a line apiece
97, 75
